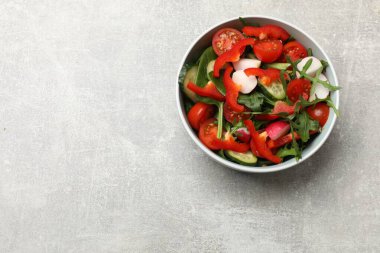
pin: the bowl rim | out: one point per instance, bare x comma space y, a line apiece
244, 168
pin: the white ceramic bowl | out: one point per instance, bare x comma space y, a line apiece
204, 41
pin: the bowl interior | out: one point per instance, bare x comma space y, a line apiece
204, 41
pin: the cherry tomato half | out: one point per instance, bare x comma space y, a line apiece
199, 113
294, 50
208, 133
319, 112
268, 50
224, 39
297, 88
234, 117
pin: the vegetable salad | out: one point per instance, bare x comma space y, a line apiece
257, 96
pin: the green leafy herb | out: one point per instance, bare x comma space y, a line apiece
188, 104
234, 128
283, 152
325, 64
307, 65
309, 52
259, 123
291, 38
208, 55
310, 78
303, 124
182, 73
253, 101
220, 120
218, 82
294, 143
245, 23
221, 154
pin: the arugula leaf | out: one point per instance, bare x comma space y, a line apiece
253, 101
259, 123
294, 143
325, 64
283, 152
182, 73
310, 78
188, 104
218, 82
307, 65
291, 38
309, 52
245, 23
303, 124
221, 154
208, 55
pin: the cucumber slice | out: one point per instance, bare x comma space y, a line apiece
243, 158
275, 90
190, 77
277, 65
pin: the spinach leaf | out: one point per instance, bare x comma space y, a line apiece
218, 82
208, 55
303, 124
253, 101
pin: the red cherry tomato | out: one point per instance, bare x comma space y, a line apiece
199, 113
232, 116
208, 133
320, 112
294, 50
224, 39
297, 88
268, 50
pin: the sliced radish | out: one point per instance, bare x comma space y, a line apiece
243, 64
315, 65
243, 135
320, 91
277, 129
247, 83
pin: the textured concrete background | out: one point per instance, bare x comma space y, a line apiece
93, 157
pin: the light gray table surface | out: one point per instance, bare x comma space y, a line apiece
93, 156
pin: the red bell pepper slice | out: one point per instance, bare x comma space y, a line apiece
209, 90
230, 144
267, 31
260, 145
267, 76
232, 91
286, 139
232, 55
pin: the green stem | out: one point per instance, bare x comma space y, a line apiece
220, 120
